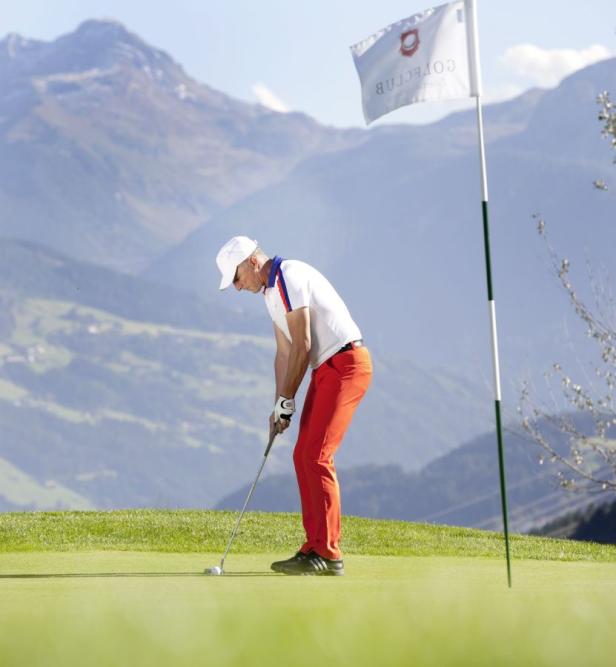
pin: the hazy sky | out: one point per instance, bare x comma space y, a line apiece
294, 55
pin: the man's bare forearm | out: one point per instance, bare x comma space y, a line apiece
297, 364
280, 372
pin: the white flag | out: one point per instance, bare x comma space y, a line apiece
423, 58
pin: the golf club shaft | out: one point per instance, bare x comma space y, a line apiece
252, 488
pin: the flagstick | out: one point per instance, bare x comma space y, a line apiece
375, 74
476, 84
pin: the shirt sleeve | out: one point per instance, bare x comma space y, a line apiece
293, 288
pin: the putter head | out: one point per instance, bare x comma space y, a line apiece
213, 571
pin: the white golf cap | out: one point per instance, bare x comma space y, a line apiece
234, 252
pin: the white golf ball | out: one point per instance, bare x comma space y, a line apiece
214, 570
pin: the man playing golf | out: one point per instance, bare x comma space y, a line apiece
312, 326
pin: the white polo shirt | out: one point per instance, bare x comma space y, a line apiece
293, 284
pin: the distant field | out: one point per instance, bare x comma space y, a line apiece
112, 596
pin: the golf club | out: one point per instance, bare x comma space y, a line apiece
217, 570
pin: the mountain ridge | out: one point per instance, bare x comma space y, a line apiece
130, 153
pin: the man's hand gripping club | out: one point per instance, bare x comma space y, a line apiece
280, 419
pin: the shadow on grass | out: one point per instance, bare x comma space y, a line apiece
94, 575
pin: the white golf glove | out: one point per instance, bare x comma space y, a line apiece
284, 408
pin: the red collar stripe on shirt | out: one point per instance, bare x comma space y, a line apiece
284, 295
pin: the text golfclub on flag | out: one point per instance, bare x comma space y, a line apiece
423, 58
434, 56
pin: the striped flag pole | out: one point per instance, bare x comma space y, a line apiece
473, 56
440, 41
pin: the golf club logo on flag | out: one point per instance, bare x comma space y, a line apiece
409, 42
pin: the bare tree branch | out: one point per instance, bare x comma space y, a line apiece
590, 461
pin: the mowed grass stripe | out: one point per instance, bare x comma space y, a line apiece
190, 531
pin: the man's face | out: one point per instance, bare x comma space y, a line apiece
247, 276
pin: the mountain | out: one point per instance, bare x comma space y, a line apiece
110, 153
116, 392
325, 198
395, 223
150, 389
595, 522
459, 488
31, 270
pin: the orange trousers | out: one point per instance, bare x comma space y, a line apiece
336, 388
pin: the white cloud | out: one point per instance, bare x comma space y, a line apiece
547, 67
269, 99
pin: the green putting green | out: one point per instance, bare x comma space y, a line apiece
127, 588
127, 608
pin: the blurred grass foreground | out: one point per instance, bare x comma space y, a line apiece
127, 588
